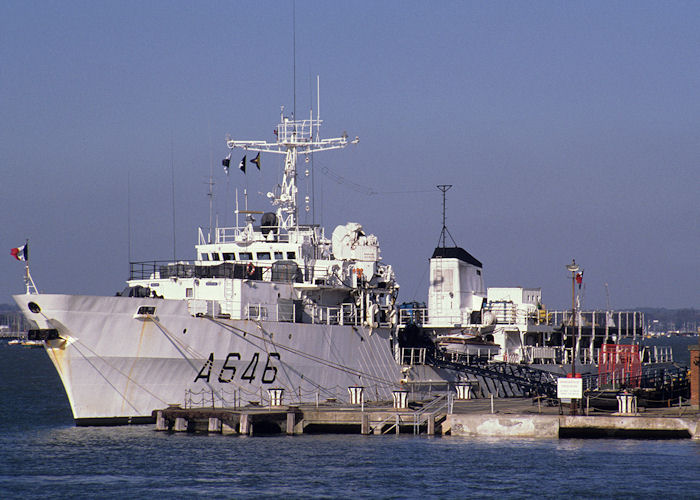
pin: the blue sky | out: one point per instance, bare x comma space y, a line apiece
569, 130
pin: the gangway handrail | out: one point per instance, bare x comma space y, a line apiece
430, 410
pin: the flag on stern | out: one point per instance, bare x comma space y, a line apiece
241, 165
256, 160
21, 253
226, 162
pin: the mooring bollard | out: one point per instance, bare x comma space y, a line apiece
626, 404
356, 393
275, 396
464, 391
400, 399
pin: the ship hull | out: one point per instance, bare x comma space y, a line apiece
118, 366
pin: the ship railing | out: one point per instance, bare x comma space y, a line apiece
612, 323
271, 312
661, 354
441, 404
152, 269
542, 354
241, 269
508, 313
233, 234
584, 355
295, 131
418, 316
238, 396
345, 314
329, 315
553, 355
475, 356
411, 356
238, 269
664, 379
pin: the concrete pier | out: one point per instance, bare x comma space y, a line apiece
298, 420
557, 426
507, 418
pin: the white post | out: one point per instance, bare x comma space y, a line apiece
607, 326
619, 326
592, 344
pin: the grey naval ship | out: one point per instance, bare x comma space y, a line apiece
274, 304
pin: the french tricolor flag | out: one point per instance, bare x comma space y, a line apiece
21, 253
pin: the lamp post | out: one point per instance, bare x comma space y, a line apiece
573, 268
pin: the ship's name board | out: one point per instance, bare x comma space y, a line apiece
229, 371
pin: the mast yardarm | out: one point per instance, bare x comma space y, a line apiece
294, 137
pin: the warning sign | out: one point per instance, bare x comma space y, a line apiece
570, 388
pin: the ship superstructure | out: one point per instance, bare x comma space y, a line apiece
273, 268
266, 304
469, 322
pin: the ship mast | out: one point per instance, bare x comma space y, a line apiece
294, 137
445, 232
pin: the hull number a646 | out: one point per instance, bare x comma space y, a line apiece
233, 361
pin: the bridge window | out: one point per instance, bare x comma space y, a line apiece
245, 256
279, 256
291, 255
205, 256
215, 256
263, 255
229, 256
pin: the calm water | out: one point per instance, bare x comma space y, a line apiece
42, 455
